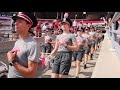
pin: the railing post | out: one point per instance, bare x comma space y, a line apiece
112, 37
110, 32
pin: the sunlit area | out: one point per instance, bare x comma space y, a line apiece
59, 45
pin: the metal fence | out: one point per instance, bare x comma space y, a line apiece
114, 34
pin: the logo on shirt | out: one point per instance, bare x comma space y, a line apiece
16, 50
61, 41
79, 41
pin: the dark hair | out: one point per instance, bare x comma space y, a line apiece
82, 29
13, 31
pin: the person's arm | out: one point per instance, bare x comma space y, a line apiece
55, 49
85, 44
52, 42
32, 57
74, 47
28, 72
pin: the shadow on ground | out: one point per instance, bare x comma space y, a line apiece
88, 74
45, 76
91, 63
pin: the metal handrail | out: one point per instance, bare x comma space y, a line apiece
116, 16
113, 33
116, 32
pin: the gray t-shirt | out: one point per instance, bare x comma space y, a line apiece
81, 41
69, 38
97, 35
49, 38
27, 49
92, 35
87, 37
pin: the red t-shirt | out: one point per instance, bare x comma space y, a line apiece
38, 28
55, 26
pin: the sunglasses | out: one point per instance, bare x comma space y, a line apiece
64, 23
59, 31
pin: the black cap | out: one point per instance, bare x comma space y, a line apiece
28, 16
67, 20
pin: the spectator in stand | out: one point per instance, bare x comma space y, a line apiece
56, 25
38, 29
44, 27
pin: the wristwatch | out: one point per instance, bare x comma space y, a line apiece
12, 63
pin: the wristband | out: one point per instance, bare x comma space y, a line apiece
12, 63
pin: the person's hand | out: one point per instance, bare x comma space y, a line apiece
50, 57
63, 43
42, 55
11, 56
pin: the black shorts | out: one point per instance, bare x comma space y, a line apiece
47, 48
62, 63
96, 41
74, 55
79, 55
93, 44
99, 40
87, 50
102, 37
